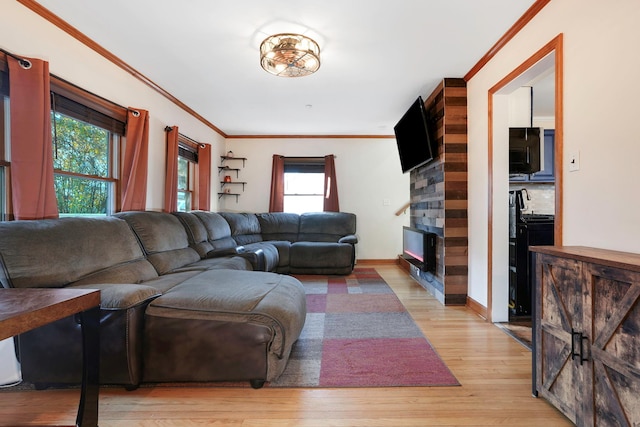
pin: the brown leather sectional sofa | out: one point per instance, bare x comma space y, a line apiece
180, 297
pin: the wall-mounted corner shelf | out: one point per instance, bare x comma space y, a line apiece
224, 167
223, 183
223, 158
220, 195
227, 168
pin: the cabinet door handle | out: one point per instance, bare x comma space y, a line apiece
573, 344
582, 339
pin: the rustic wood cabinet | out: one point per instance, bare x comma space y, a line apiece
587, 334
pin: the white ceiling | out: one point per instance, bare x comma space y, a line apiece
377, 55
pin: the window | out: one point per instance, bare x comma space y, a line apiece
86, 133
303, 185
85, 153
82, 167
187, 161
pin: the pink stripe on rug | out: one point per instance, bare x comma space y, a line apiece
382, 363
339, 303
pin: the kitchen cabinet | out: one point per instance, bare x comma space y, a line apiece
586, 346
548, 172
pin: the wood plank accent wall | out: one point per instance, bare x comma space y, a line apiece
439, 193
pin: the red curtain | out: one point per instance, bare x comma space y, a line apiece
276, 200
32, 182
134, 169
330, 185
204, 177
171, 175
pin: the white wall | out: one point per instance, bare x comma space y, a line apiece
368, 172
601, 93
520, 107
22, 32
368, 169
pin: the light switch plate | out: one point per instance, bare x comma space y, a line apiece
574, 161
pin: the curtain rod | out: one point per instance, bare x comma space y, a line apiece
169, 128
75, 86
306, 157
27, 64
23, 62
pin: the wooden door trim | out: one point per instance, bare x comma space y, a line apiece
555, 45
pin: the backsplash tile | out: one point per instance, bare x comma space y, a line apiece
542, 197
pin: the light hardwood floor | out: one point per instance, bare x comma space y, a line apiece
493, 368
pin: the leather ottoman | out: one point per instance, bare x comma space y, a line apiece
224, 325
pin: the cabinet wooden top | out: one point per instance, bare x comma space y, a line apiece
28, 308
611, 258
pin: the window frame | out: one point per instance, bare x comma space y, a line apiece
188, 150
314, 165
114, 147
79, 104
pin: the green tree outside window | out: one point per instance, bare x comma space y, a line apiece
81, 159
184, 184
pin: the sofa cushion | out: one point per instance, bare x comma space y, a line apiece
279, 226
322, 254
321, 258
217, 228
196, 232
167, 281
56, 252
136, 271
163, 238
237, 262
245, 227
326, 226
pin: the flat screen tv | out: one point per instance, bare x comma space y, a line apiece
524, 150
413, 137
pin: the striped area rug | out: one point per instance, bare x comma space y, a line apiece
358, 334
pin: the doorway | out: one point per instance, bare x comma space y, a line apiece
546, 61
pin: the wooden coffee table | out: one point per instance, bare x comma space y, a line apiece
24, 309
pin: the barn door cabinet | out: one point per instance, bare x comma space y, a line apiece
587, 334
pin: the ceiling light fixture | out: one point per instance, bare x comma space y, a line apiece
289, 55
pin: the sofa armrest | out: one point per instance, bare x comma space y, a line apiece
122, 296
351, 238
255, 256
222, 252
257, 259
